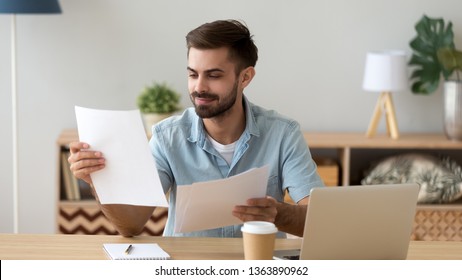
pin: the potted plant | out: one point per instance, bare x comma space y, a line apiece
157, 102
435, 57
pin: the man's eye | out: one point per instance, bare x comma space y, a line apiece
192, 75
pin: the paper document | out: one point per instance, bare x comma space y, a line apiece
209, 205
130, 175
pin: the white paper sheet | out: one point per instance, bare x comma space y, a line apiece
130, 175
209, 205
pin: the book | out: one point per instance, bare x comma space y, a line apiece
138, 251
85, 190
67, 177
71, 184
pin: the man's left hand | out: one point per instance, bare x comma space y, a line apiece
257, 209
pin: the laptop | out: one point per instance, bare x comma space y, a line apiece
358, 222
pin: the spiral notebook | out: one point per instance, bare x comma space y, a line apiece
137, 251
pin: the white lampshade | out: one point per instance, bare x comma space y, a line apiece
385, 71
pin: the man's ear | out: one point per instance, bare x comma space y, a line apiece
247, 75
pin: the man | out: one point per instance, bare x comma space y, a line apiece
223, 135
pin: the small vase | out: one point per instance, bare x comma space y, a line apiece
150, 119
453, 110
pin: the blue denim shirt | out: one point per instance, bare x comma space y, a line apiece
184, 156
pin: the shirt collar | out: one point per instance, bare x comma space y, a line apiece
251, 124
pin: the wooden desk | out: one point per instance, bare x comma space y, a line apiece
89, 247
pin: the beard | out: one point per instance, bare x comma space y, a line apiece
224, 104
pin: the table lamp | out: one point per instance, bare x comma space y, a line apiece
14, 7
385, 71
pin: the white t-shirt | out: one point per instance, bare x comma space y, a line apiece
226, 151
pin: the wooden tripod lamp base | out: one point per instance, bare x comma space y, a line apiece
384, 105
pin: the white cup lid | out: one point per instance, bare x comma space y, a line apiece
258, 227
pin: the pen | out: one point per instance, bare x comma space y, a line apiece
129, 248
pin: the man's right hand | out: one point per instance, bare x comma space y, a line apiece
128, 220
83, 161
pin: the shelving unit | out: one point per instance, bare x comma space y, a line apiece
347, 154
355, 153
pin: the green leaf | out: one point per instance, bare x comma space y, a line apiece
432, 35
451, 59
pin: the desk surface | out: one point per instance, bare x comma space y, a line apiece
89, 247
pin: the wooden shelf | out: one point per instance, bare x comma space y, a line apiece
355, 152
346, 143
359, 140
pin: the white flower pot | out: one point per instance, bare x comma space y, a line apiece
150, 119
453, 110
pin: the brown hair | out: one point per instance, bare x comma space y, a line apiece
226, 33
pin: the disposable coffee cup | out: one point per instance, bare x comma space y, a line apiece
258, 240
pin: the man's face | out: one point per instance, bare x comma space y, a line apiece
212, 82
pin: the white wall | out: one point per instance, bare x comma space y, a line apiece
100, 53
